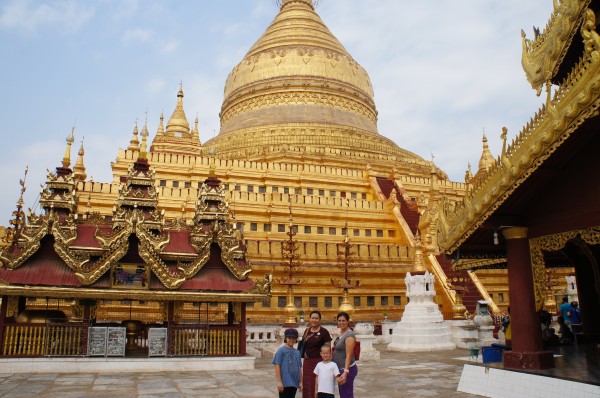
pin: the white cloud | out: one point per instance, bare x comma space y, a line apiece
441, 71
22, 15
149, 36
168, 46
124, 9
138, 35
154, 85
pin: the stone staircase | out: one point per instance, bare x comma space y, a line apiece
408, 209
471, 294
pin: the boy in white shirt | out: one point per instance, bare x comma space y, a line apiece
326, 373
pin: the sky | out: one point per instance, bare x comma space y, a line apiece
443, 71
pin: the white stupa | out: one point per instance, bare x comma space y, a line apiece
422, 326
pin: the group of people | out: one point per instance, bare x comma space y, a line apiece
569, 320
323, 363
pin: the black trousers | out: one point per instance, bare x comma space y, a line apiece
288, 392
325, 395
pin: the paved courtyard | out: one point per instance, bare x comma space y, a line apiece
395, 375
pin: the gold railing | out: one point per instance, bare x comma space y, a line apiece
33, 340
189, 340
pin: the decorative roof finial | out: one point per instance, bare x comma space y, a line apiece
19, 215
212, 172
503, 138
79, 168
134, 143
161, 126
178, 123
196, 132
487, 159
144, 145
311, 3
66, 162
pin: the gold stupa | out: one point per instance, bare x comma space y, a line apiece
299, 130
298, 90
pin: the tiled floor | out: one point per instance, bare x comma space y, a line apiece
396, 375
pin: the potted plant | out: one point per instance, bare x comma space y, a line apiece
385, 315
301, 313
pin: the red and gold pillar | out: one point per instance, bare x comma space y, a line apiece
527, 346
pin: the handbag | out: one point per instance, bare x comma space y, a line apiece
301, 344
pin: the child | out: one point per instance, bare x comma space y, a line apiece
326, 373
288, 366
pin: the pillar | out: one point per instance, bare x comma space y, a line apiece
527, 346
87, 311
3, 308
243, 329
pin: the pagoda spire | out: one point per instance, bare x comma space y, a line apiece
144, 145
66, 162
487, 159
310, 3
196, 132
134, 143
161, 125
178, 123
79, 168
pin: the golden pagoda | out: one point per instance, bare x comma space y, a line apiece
298, 130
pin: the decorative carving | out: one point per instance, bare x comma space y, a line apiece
542, 57
576, 100
555, 242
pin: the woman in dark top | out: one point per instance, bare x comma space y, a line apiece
314, 337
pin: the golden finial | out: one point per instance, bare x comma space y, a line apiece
212, 172
487, 159
79, 168
144, 146
66, 162
311, 3
19, 215
161, 125
178, 123
196, 132
503, 137
468, 174
134, 143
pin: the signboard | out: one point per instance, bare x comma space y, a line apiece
97, 341
157, 342
115, 343
129, 276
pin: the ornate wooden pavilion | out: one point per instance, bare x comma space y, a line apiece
79, 284
537, 207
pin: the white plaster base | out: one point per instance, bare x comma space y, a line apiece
464, 333
387, 328
501, 383
486, 336
421, 328
367, 351
130, 365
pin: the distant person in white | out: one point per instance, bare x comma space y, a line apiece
326, 373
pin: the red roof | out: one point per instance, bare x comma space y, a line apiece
216, 279
45, 267
86, 236
179, 243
